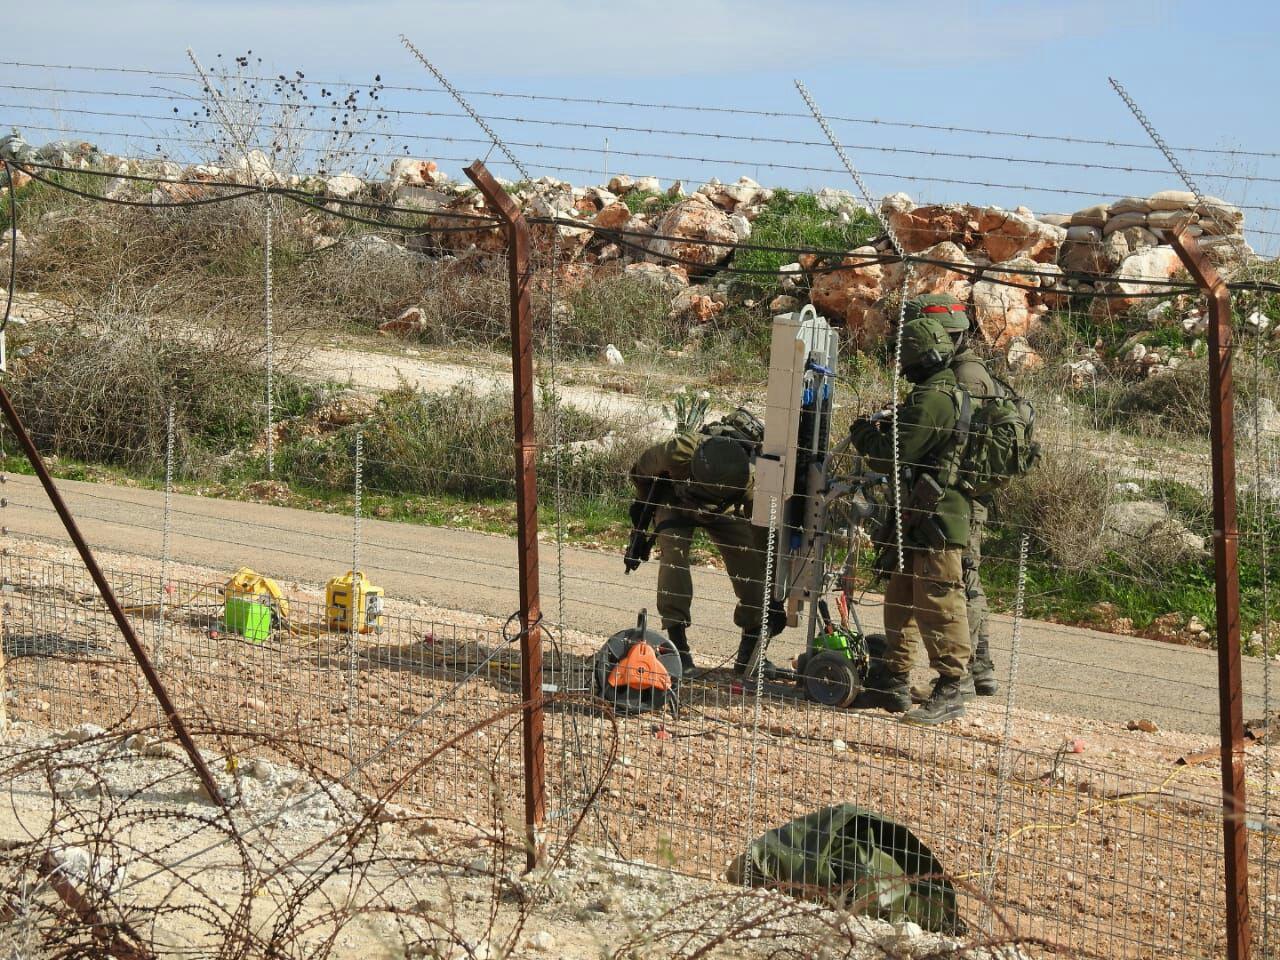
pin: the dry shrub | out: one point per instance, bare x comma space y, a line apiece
1061, 503
97, 384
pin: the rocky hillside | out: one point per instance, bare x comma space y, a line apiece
1013, 266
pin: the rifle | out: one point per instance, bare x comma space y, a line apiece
642, 510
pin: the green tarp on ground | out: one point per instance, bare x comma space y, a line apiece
873, 865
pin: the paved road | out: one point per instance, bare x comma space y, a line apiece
1061, 669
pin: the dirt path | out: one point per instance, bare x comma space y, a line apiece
1062, 670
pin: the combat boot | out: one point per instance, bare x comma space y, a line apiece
680, 640
746, 650
947, 703
984, 678
983, 670
968, 690
885, 691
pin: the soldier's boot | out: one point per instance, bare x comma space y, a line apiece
947, 703
968, 690
983, 670
885, 691
680, 640
746, 650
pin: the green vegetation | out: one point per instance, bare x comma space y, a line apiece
795, 220
647, 201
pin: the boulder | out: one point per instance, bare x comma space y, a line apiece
1001, 303
1124, 243
729, 197
934, 277
613, 217
419, 197
621, 184
1152, 263
458, 235
13, 147
688, 224
847, 293
1006, 235
1087, 256
647, 185
409, 323
840, 202
415, 173
1020, 358
741, 226
1095, 216
667, 276
1172, 200
783, 303
924, 227
695, 305
343, 186
1148, 527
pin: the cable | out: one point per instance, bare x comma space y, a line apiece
698, 108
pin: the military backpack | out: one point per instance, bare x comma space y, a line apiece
742, 425
998, 438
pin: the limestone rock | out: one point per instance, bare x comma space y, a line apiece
410, 322
783, 303
696, 305
934, 278
415, 173
849, 292
343, 186
924, 227
1147, 525
613, 217
689, 222
1006, 235
840, 202
647, 185
621, 185
1172, 200
669, 276
1020, 357
1153, 263
484, 238
745, 193
1001, 305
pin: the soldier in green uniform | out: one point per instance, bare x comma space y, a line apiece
708, 485
974, 377
928, 593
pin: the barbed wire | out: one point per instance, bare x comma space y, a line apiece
698, 108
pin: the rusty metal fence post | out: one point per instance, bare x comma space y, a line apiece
526, 462
1226, 573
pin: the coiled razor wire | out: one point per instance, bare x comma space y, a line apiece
166, 529
908, 273
354, 595
757, 662
1003, 762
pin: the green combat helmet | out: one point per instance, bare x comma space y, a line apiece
946, 308
926, 348
719, 471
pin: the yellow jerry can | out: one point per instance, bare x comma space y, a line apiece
351, 598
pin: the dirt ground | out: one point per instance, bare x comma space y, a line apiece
1078, 831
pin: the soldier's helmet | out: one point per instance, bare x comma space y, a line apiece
944, 307
926, 348
719, 471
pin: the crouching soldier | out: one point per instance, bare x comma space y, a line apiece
704, 480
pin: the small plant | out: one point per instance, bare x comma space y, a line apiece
688, 410
795, 220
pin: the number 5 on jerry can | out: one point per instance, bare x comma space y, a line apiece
352, 599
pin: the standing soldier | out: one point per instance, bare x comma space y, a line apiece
704, 480
975, 378
927, 594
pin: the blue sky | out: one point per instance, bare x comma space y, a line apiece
1204, 75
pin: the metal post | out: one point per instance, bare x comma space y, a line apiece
104, 588
526, 455
1227, 579
270, 337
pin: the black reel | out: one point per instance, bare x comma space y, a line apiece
629, 700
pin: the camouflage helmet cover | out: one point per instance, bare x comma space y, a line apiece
926, 346
720, 469
946, 308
